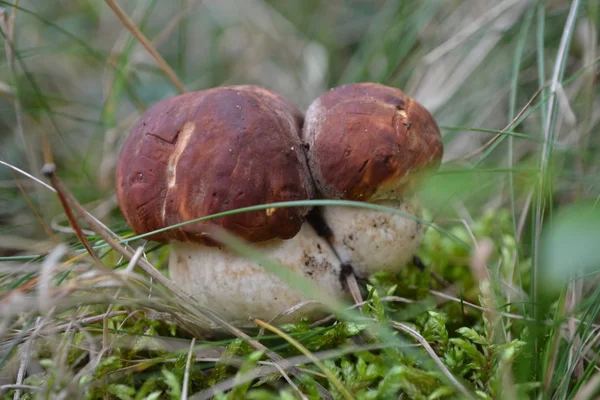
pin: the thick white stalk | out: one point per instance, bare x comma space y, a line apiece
240, 290
373, 241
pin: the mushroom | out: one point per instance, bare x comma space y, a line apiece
220, 149
372, 143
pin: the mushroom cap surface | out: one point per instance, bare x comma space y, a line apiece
206, 152
369, 142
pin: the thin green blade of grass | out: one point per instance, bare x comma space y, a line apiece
304, 203
300, 203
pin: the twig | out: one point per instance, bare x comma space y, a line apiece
49, 170
135, 31
353, 287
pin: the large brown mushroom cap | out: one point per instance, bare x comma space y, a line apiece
369, 142
206, 152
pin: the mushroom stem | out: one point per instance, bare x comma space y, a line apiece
353, 288
241, 290
372, 241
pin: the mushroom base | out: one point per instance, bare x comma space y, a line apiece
373, 241
240, 290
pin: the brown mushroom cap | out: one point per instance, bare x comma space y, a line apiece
369, 142
211, 151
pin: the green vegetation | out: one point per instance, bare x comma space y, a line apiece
507, 305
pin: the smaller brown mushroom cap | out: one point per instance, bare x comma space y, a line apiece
211, 151
369, 142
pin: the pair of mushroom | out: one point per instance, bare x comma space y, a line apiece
225, 148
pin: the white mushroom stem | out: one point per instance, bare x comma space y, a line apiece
373, 241
239, 289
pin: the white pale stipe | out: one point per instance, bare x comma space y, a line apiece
373, 241
240, 290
